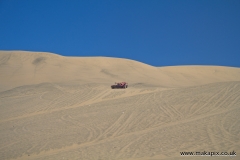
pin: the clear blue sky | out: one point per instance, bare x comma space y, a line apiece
156, 32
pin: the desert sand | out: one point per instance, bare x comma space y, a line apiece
58, 108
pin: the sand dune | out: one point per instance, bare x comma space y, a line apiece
55, 107
26, 68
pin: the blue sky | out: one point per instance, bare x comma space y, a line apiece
156, 32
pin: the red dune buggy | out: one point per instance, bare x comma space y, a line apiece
120, 85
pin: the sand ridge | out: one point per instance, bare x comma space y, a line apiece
25, 68
69, 111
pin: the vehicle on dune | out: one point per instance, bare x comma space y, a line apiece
120, 85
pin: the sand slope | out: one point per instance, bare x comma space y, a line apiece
19, 68
54, 107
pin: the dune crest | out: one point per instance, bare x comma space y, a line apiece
19, 68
